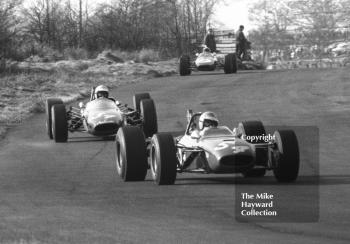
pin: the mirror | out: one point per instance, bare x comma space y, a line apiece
236, 132
189, 115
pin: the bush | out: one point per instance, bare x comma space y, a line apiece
110, 56
147, 55
75, 53
9, 67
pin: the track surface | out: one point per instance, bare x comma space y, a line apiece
70, 193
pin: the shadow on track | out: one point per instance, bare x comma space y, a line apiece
267, 180
90, 139
201, 74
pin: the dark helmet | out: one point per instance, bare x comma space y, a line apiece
206, 49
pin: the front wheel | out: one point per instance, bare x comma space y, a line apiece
48, 105
163, 160
59, 124
286, 156
230, 65
185, 65
131, 154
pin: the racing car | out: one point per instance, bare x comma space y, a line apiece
246, 149
207, 61
101, 116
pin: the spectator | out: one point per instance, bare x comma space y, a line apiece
241, 43
209, 40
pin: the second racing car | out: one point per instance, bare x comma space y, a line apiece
101, 116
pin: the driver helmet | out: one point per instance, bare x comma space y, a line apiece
206, 50
208, 119
101, 91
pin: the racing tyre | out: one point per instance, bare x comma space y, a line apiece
137, 100
149, 116
230, 65
48, 105
130, 154
254, 128
163, 160
287, 156
185, 65
234, 63
59, 123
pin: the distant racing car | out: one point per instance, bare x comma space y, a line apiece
207, 61
216, 149
101, 116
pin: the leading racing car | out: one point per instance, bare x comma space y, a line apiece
209, 148
101, 116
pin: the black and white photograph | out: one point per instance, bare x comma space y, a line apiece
174, 121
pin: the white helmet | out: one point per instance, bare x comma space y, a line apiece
208, 119
101, 91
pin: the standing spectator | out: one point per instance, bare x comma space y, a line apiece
209, 40
241, 43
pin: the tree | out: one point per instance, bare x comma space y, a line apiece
8, 24
274, 19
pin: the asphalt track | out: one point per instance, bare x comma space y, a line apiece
70, 193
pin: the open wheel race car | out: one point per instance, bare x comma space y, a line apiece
100, 116
207, 61
244, 149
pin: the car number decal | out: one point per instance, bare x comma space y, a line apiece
232, 145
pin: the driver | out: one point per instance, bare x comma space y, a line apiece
205, 52
101, 91
206, 121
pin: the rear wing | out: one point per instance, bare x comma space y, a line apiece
225, 41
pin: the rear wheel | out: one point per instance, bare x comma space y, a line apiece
149, 116
59, 123
130, 154
249, 129
185, 65
286, 157
48, 105
230, 65
137, 100
163, 160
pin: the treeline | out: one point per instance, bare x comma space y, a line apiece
168, 26
282, 23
